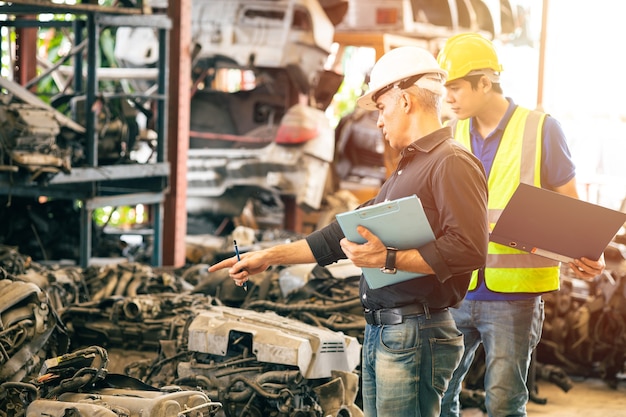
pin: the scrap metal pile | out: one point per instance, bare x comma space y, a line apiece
85, 340
585, 327
198, 355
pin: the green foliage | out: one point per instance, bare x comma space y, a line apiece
354, 63
344, 102
115, 216
53, 45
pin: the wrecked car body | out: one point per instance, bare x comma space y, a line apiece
299, 169
264, 33
259, 91
266, 130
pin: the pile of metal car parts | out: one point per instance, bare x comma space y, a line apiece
288, 346
586, 333
198, 356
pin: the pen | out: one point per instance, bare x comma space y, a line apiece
245, 284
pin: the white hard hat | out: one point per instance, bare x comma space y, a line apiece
403, 67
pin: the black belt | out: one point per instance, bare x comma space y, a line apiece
398, 314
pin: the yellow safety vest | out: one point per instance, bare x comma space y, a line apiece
518, 159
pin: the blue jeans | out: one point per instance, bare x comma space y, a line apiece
509, 332
407, 366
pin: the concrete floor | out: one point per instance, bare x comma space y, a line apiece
588, 398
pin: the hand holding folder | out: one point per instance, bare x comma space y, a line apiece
556, 226
400, 223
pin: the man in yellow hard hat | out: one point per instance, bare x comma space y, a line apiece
411, 345
504, 309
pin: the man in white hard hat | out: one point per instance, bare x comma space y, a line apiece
411, 345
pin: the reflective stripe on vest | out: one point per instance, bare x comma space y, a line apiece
518, 159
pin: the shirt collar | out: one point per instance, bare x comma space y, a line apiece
503, 122
429, 142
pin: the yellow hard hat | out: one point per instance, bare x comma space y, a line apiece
402, 67
465, 53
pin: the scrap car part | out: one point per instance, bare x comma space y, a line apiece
313, 351
251, 362
78, 384
589, 337
72, 371
301, 169
360, 153
28, 140
141, 322
27, 326
113, 402
255, 362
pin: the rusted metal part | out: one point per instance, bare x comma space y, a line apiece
29, 329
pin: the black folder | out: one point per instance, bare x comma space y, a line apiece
556, 226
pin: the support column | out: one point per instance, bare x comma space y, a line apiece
175, 207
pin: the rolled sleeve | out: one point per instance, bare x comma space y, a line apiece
431, 255
324, 244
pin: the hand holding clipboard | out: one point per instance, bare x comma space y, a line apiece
400, 223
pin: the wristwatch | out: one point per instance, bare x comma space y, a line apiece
390, 263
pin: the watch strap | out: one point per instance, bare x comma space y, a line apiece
390, 261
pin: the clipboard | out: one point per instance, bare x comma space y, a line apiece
400, 223
556, 226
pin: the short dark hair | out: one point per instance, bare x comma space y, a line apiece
474, 79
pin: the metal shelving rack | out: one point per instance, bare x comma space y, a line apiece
102, 185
